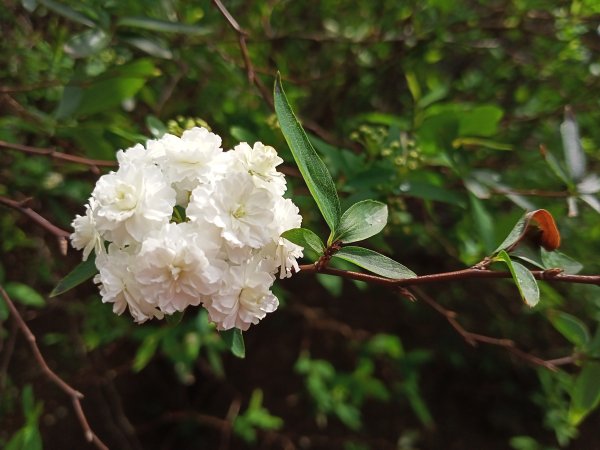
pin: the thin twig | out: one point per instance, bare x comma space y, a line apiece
75, 395
457, 275
60, 234
93, 163
256, 81
475, 338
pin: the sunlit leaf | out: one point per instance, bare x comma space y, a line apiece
523, 278
235, 341
313, 170
374, 262
361, 221
83, 272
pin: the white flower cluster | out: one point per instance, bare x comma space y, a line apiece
182, 222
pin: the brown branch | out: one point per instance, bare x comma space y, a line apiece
74, 394
60, 234
254, 80
475, 338
93, 163
458, 275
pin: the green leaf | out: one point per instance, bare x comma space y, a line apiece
90, 96
83, 272
574, 154
429, 191
146, 351
313, 170
374, 262
586, 392
483, 222
480, 121
526, 283
304, 238
162, 26
29, 5
556, 259
87, 43
570, 327
67, 12
361, 221
24, 294
479, 142
156, 127
515, 235
235, 341
153, 47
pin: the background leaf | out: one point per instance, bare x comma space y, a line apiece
570, 327
586, 392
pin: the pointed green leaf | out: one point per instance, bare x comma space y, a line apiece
361, 221
304, 238
162, 26
374, 262
83, 272
528, 288
313, 170
235, 341
570, 327
586, 392
67, 12
153, 47
558, 260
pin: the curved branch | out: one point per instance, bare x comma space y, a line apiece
508, 344
75, 395
93, 163
457, 275
61, 234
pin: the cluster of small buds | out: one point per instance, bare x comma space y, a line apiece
183, 223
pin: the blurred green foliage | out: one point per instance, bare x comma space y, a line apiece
452, 113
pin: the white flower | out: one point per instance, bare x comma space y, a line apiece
242, 211
132, 202
261, 161
118, 286
189, 160
286, 253
245, 297
173, 267
136, 155
86, 235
